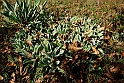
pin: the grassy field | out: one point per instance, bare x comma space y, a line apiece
109, 14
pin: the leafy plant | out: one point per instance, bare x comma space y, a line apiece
41, 46
23, 11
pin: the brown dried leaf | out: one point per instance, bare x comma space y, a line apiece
99, 59
112, 54
11, 64
116, 67
76, 57
71, 76
74, 46
38, 81
21, 65
95, 50
38, 35
19, 58
85, 57
122, 53
46, 76
107, 37
102, 28
29, 54
87, 37
109, 75
1, 77
108, 27
75, 43
29, 42
74, 49
95, 65
97, 62
13, 78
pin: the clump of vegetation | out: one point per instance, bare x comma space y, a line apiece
43, 48
25, 12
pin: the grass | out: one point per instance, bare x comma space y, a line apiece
107, 11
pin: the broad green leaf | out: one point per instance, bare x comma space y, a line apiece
23, 52
62, 51
26, 61
56, 50
36, 48
36, 3
57, 62
60, 70
100, 50
78, 37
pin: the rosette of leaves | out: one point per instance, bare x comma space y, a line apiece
39, 45
87, 33
82, 30
81, 34
24, 11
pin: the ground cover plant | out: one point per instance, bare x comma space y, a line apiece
47, 46
68, 42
